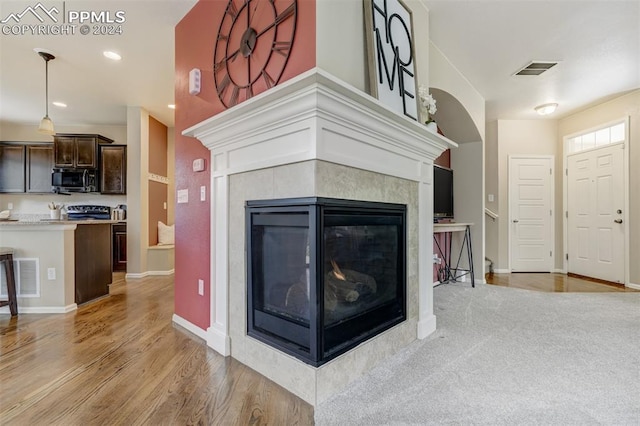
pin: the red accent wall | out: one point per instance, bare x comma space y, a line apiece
194, 44
444, 159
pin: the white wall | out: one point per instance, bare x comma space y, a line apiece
624, 106
466, 161
137, 190
340, 42
29, 132
445, 76
523, 137
491, 187
171, 174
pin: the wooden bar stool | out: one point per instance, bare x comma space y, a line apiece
6, 257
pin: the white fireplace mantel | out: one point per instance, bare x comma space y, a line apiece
315, 116
308, 111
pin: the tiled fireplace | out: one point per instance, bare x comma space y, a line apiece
316, 144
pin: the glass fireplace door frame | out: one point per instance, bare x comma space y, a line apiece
301, 341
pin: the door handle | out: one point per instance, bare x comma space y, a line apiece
618, 221
515, 221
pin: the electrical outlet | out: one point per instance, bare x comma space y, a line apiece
203, 193
51, 273
201, 287
10, 206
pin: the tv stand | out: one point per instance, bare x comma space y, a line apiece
452, 273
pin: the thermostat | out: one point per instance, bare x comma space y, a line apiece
198, 164
194, 81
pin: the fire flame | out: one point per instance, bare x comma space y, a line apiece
337, 272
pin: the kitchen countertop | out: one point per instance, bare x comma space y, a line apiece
13, 222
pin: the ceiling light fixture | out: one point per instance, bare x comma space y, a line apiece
171, 106
111, 55
60, 104
546, 109
46, 125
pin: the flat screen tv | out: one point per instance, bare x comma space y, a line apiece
442, 193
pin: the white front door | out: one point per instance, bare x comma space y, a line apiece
531, 213
595, 200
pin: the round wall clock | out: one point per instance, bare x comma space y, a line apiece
252, 47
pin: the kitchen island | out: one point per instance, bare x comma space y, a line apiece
60, 264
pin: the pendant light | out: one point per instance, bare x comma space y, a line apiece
46, 125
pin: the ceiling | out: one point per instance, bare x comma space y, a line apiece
95, 89
597, 44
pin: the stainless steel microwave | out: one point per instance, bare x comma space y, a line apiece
74, 180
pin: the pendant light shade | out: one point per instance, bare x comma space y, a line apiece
46, 125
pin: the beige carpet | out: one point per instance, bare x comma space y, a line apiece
503, 356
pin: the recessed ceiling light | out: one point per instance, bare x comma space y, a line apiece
111, 55
171, 106
546, 109
60, 104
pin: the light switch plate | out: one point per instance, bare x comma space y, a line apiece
203, 193
51, 273
183, 196
201, 287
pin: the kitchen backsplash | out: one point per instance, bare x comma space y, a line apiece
35, 207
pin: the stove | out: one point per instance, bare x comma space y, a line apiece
85, 212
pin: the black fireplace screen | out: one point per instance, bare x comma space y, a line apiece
324, 274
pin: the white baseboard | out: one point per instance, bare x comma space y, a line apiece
41, 309
219, 341
148, 273
131, 275
558, 271
191, 328
634, 286
435, 283
501, 271
169, 272
426, 327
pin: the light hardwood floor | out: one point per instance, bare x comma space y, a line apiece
558, 283
119, 360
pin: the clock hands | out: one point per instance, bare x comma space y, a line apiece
281, 17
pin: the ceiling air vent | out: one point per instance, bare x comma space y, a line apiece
536, 68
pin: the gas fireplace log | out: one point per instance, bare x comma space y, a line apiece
345, 285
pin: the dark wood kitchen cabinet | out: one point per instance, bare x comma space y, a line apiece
12, 160
26, 167
77, 151
113, 169
92, 261
119, 233
39, 167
